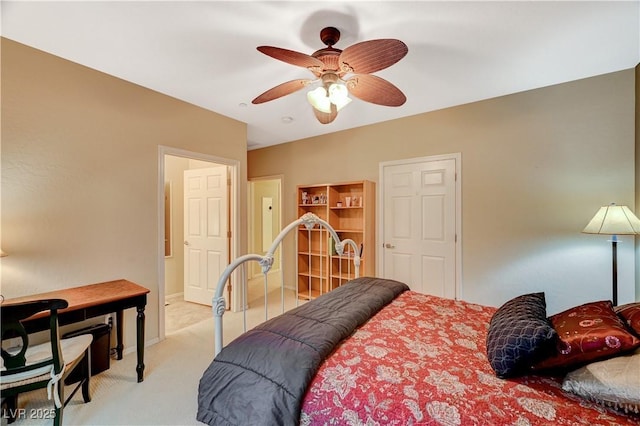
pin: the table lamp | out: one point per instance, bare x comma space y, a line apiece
614, 220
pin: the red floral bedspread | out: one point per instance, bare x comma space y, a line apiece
422, 361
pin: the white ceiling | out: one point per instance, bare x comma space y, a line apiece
204, 52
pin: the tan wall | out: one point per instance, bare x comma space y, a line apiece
80, 174
536, 166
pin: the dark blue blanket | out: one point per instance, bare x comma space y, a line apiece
261, 377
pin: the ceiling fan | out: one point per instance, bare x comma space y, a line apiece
340, 73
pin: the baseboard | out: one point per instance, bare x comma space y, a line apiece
131, 349
171, 297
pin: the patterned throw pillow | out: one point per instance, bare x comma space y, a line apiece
587, 333
630, 313
519, 335
613, 382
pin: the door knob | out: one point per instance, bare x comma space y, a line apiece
389, 245
186, 243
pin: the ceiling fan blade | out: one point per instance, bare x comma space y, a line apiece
291, 57
371, 88
326, 117
371, 56
282, 90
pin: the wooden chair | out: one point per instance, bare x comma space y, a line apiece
27, 367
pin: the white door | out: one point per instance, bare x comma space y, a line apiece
206, 251
419, 225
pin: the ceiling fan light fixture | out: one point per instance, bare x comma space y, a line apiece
331, 66
339, 95
319, 100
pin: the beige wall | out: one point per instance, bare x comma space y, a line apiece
536, 166
80, 174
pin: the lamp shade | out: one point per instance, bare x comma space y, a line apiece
613, 220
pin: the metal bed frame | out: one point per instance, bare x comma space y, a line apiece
309, 221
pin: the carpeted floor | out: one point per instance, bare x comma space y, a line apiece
180, 314
168, 395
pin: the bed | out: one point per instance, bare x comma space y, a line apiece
373, 352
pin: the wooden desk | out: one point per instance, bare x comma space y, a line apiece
93, 300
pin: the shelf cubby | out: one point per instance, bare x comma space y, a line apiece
350, 209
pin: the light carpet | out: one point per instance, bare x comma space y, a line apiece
179, 313
168, 395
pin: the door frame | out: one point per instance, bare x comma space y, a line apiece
234, 200
457, 157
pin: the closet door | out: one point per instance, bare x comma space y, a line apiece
419, 225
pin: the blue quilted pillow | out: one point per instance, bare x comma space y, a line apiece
519, 335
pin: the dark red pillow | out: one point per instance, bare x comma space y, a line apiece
630, 313
587, 333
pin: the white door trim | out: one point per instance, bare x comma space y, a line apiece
234, 166
457, 157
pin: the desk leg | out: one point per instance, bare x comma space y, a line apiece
140, 342
119, 340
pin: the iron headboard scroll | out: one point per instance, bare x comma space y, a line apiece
309, 221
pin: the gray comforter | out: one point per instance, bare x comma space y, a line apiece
261, 377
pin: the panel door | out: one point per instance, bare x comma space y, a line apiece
419, 241
206, 246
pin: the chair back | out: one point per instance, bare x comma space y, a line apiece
12, 315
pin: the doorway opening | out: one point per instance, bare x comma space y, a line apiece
265, 222
199, 225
